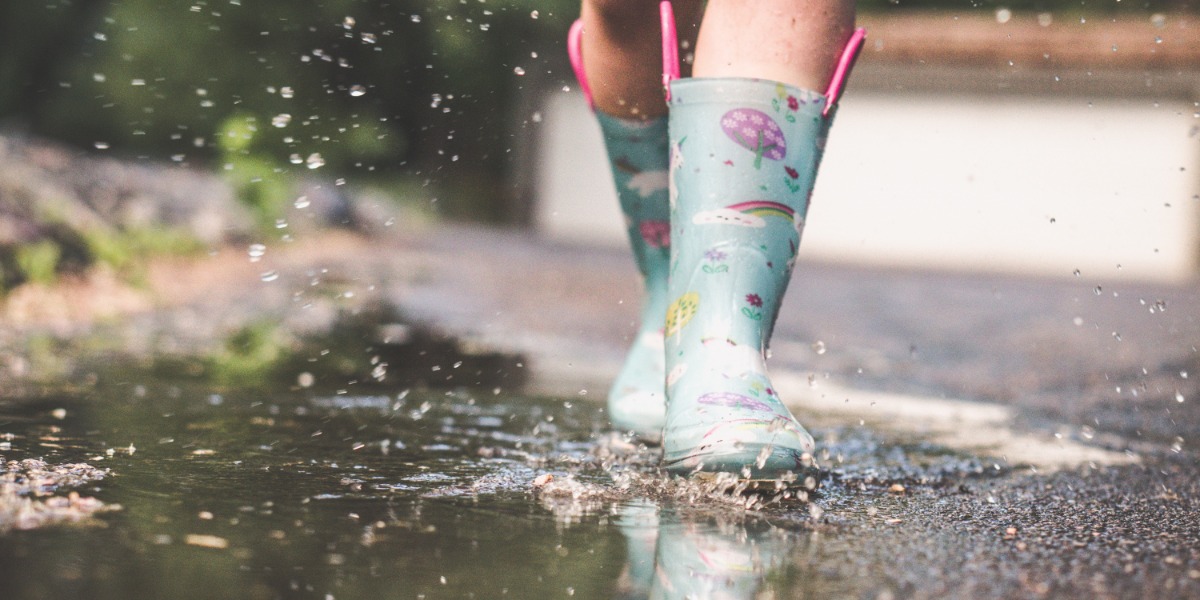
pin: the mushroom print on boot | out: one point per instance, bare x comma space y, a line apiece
637, 152
750, 151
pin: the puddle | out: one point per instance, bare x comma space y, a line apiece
386, 461
426, 493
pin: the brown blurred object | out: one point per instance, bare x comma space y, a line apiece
1027, 39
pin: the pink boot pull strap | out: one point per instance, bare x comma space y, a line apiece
670, 47
575, 52
842, 72
671, 57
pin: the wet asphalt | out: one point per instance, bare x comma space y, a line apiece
1093, 358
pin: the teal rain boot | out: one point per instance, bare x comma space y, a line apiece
637, 151
744, 155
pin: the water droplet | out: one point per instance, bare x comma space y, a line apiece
1183, 374
1098, 290
269, 276
348, 22
357, 90
763, 455
533, 15
1157, 40
314, 161
1179, 397
302, 202
1045, 19
1177, 445
101, 145
1087, 432
1076, 272
287, 92
818, 347
1003, 15
519, 71
256, 252
1077, 321
815, 512
296, 159
138, 82
415, 18
281, 120
368, 38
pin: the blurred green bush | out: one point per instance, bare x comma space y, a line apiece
378, 90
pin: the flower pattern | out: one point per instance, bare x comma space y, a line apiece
753, 308
790, 181
715, 261
656, 234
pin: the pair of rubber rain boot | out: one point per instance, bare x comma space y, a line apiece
715, 196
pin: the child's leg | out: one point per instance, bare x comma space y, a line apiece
745, 152
617, 53
623, 54
795, 42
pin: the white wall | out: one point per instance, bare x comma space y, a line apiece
1038, 185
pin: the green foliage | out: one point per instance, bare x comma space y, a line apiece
249, 357
258, 181
38, 261
416, 88
124, 250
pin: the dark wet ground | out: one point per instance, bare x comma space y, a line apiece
436, 494
433, 482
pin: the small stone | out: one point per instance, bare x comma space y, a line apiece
542, 480
896, 488
206, 541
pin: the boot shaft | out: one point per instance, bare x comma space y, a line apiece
744, 159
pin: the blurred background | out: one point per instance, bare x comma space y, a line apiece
1036, 136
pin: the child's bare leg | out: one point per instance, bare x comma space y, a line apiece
796, 42
622, 54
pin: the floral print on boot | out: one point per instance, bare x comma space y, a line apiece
637, 151
744, 157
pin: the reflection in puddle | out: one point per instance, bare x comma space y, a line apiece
412, 494
675, 555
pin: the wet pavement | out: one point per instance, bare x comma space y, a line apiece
983, 436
